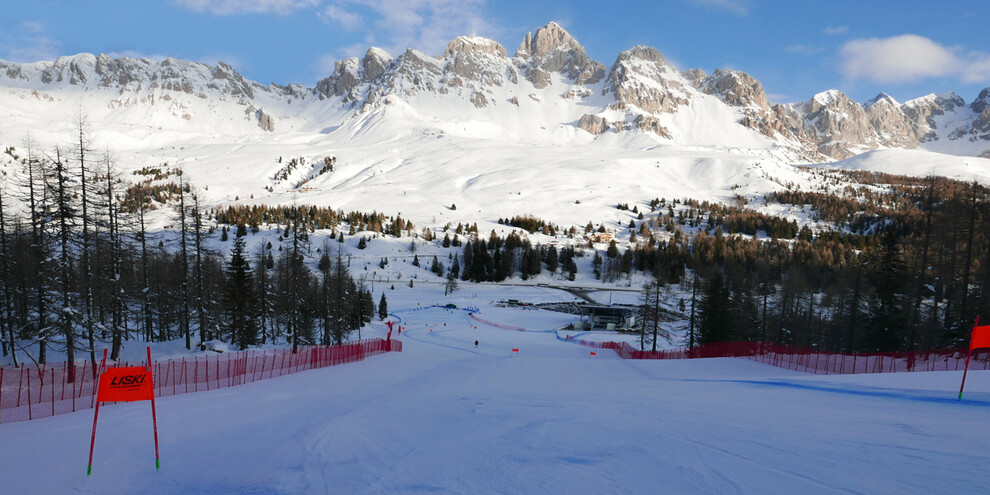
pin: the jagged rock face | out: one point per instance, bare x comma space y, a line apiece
593, 124
350, 73
479, 99
837, 124
642, 78
696, 77
346, 76
652, 124
265, 121
476, 59
981, 126
553, 49
418, 71
737, 89
128, 74
891, 125
982, 102
922, 112
374, 64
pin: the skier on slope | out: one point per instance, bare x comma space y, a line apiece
476, 343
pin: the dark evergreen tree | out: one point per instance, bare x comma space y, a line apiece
383, 308
715, 322
240, 303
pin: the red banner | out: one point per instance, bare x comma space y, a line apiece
980, 338
126, 385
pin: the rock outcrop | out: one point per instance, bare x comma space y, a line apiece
593, 124
736, 88
891, 126
553, 50
640, 77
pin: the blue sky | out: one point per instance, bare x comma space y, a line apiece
795, 48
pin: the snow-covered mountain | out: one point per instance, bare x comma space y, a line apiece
474, 120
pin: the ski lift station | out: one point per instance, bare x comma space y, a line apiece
610, 317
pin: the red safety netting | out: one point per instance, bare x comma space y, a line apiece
810, 360
46, 390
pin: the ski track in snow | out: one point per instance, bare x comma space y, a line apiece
444, 417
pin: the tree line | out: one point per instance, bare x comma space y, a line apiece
81, 263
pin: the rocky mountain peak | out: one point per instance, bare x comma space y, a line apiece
475, 59
982, 101
474, 45
641, 77
882, 98
552, 49
374, 63
950, 101
736, 88
547, 39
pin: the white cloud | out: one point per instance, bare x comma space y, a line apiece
737, 7
395, 25
27, 41
909, 57
225, 7
978, 69
833, 30
426, 25
336, 14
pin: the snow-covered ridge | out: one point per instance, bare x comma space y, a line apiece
475, 78
475, 126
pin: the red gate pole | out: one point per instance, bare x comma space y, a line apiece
969, 354
96, 415
154, 417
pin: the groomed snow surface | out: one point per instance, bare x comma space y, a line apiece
446, 417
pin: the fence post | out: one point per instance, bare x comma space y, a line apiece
20, 383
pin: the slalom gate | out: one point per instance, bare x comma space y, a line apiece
46, 390
810, 360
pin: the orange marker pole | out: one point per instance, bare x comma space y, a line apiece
96, 415
154, 417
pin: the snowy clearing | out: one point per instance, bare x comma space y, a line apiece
445, 416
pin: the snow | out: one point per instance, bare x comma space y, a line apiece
826, 98
444, 416
918, 163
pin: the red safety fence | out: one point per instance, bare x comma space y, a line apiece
810, 360
37, 392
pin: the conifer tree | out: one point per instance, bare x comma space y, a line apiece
383, 307
240, 304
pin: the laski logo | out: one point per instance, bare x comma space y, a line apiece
127, 380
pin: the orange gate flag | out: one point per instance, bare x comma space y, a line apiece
980, 338
126, 385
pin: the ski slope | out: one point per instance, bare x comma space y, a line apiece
446, 417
